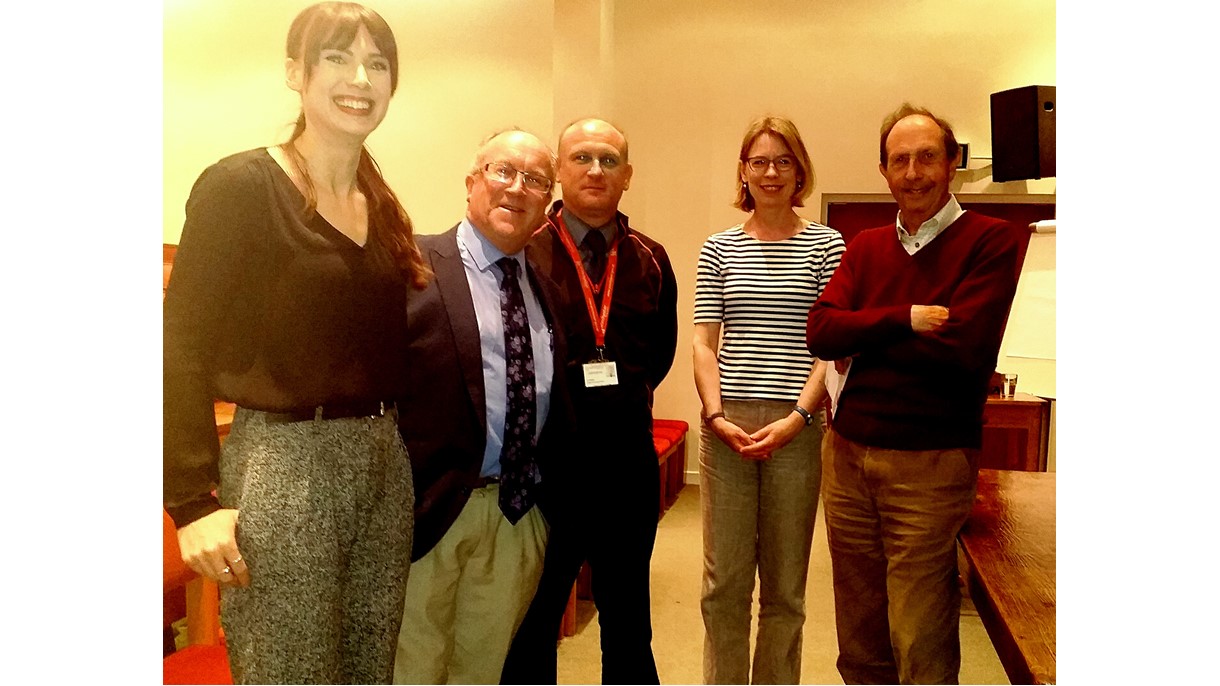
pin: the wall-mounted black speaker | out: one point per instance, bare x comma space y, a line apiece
1023, 133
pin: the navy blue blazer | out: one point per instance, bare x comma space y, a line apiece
443, 419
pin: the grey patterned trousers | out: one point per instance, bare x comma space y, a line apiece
325, 523
758, 518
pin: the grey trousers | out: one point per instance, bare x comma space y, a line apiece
325, 523
758, 515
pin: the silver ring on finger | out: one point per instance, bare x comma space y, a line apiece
226, 570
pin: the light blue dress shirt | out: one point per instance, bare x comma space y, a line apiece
479, 260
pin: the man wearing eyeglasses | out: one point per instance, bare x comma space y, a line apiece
619, 310
919, 308
486, 416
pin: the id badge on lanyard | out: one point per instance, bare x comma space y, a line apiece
598, 371
600, 374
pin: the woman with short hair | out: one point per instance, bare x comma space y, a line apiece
760, 445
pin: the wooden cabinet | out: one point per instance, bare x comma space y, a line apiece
1016, 433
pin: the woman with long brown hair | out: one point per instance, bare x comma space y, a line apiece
288, 298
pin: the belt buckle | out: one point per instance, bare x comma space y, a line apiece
319, 412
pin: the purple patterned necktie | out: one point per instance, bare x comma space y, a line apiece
518, 470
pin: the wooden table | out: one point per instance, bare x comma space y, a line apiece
1009, 548
1016, 433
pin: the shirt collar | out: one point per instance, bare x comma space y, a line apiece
481, 250
934, 225
579, 229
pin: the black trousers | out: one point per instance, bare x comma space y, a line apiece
610, 521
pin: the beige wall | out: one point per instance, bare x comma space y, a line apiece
690, 75
682, 77
466, 69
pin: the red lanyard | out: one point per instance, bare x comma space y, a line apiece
606, 287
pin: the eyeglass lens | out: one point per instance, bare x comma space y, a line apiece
760, 164
506, 173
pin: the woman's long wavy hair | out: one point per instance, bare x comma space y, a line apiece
334, 25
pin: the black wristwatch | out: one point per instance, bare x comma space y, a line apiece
804, 414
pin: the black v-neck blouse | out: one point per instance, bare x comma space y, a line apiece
271, 308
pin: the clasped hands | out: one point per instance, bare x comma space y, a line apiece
760, 444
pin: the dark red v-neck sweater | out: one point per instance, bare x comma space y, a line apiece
909, 391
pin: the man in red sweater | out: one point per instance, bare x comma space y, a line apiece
915, 313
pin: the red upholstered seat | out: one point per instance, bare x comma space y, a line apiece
669, 439
674, 428
198, 664
205, 660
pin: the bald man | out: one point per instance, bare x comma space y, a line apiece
485, 417
619, 311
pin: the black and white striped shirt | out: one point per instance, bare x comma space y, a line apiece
760, 292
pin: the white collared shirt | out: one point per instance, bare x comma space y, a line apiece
931, 228
478, 258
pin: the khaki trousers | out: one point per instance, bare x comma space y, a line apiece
892, 519
467, 596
